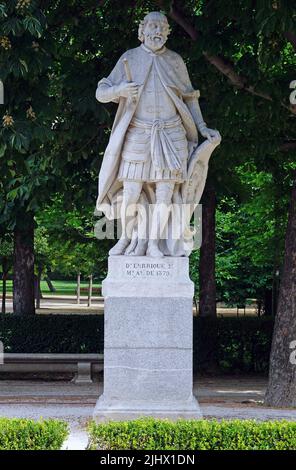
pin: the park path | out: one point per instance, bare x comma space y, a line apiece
220, 398
62, 304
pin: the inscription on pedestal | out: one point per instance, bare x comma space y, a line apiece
147, 340
163, 270
140, 276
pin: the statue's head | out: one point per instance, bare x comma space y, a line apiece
154, 30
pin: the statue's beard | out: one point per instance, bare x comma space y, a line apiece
154, 41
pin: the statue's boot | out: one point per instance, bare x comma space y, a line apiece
120, 247
130, 249
140, 249
153, 251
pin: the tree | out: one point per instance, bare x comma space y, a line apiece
73, 249
6, 251
207, 281
42, 259
54, 133
244, 63
281, 390
38, 154
26, 51
23, 266
250, 231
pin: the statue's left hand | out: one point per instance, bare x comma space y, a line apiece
211, 134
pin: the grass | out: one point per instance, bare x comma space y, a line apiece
62, 287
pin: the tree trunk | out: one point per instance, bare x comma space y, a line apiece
268, 302
281, 390
4, 279
50, 284
38, 287
90, 290
275, 292
78, 288
23, 266
207, 281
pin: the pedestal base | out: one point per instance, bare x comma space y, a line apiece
106, 410
148, 340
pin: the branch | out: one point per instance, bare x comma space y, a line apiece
291, 38
285, 147
223, 65
179, 18
227, 69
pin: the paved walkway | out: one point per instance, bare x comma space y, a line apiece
66, 304
61, 304
227, 398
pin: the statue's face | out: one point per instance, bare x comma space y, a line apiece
155, 34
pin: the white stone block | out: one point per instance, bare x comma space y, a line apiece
141, 276
148, 340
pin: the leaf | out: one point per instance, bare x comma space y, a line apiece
24, 67
3, 148
13, 25
33, 25
11, 195
18, 67
3, 13
20, 142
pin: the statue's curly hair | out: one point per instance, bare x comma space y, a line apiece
153, 15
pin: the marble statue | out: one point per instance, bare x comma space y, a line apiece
153, 158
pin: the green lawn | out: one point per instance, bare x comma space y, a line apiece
62, 287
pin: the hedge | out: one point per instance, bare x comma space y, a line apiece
52, 333
153, 434
236, 345
227, 344
26, 434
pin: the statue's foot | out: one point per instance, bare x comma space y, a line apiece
131, 247
153, 251
120, 247
140, 249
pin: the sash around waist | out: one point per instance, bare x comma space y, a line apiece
156, 123
164, 153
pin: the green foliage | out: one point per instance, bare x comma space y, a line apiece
250, 231
6, 247
250, 235
52, 333
235, 345
25, 434
155, 434
29, 109
41, 247
53, 132
6, 254
72, 245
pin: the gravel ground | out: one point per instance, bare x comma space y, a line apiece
221, 398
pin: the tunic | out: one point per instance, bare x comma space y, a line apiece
155, 146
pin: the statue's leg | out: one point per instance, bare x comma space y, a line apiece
131, 194
139, 246
160, 215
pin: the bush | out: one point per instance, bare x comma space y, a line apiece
152, 434
240, 345
236, 345
52, 333
26, 434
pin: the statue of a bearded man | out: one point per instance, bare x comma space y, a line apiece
153, 157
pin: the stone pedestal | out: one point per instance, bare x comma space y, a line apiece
148, 340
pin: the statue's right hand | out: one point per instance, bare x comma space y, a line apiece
128, 89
